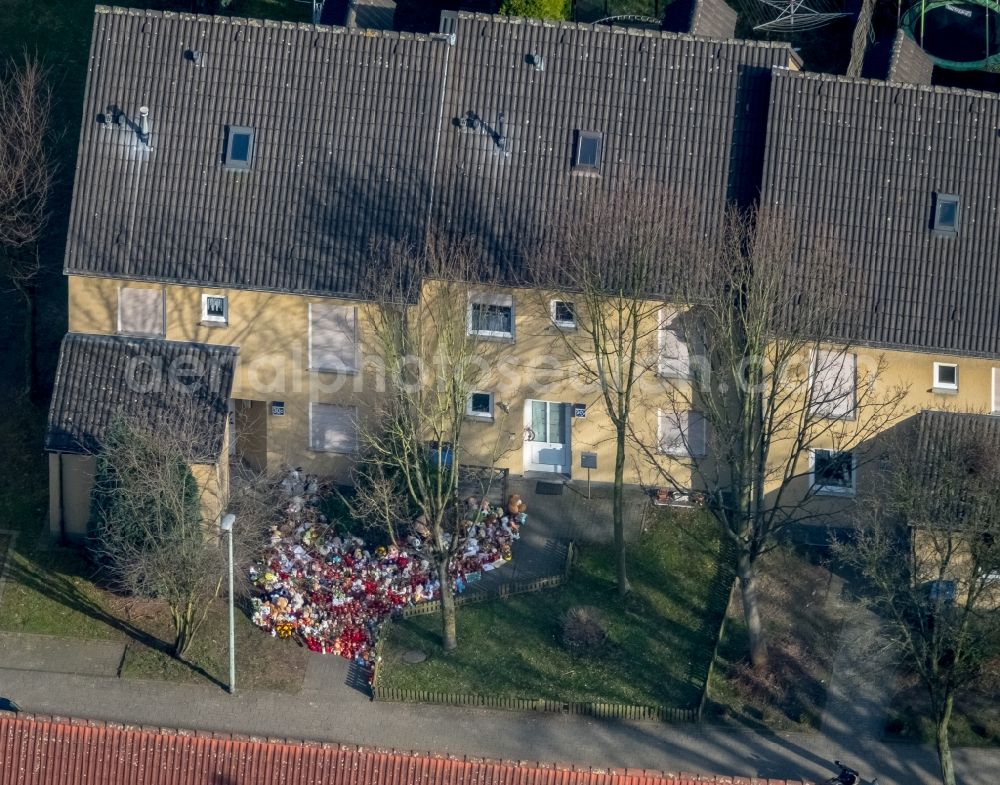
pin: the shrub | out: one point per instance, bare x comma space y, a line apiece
536, 9
584, 627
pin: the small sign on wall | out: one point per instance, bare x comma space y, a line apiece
588, 460
579, 410
277, 408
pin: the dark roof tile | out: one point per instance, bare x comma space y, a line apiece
861, 161
348, 151
164, 383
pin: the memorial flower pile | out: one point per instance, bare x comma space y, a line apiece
331, 593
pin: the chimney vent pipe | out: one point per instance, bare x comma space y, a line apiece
144, 124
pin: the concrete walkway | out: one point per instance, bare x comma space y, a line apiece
862, 681
50, 654
353, 718
79, 680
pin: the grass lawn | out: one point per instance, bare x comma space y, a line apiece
803, 613
975, 721
660, 637
51, 589
262, 662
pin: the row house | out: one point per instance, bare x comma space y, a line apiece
235, 179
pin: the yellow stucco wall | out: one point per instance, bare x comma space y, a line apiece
895, 369
71, 478
271, 331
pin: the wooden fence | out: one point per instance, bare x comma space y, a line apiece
502, 591
603, 710
705, 690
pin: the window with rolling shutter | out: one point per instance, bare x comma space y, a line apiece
333, 344
675, 361
333, 428
141, 311
682, 434
834, 384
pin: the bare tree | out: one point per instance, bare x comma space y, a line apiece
27, 170
415, 442
603, 261
929, 546
149, 529
755, 376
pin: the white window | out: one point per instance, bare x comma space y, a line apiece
945, 376
833, 472
480, 405
682, 434
333, 340
563, 314
141, 311
491, 315
995, 396
333, 428
834, 384
675, 361
215, 308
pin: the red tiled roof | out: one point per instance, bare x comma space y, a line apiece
40, 750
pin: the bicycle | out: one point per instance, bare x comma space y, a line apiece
847, 776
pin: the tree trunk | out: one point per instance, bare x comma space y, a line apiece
618, 513
751, 610
449, 635
183, 629
943, 745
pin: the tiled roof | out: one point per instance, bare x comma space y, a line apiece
938, 427
344, 125
680, 111
167, 384
859, 161
355, 140
57, 751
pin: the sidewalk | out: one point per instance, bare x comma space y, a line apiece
352, 718
78, 678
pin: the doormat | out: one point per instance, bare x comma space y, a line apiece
549, 488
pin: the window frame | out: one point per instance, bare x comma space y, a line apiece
481, 416
833, 490
163, 313
562, 324
940, 200
490, 300
354, 367
678, 367
817, 407
580, 136
686, 449
206, 317
949, 386
313, 448
994, 389
232, 131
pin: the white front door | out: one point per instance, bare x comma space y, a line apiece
546, 437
